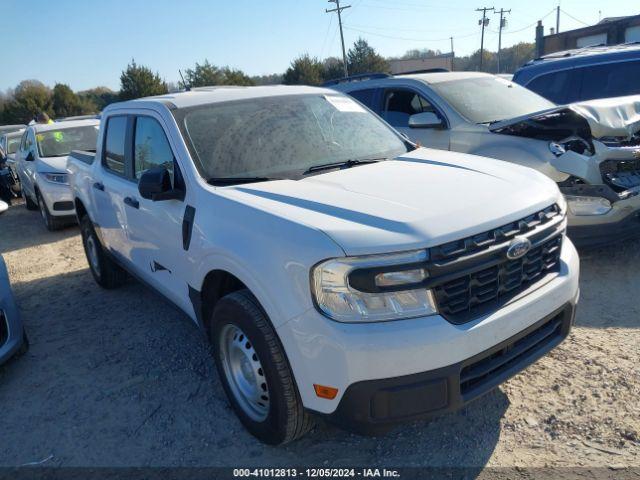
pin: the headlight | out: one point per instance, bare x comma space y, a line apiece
373, 288
60, 178
582, 206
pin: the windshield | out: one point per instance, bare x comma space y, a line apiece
13, 144
489, 99
283, 136
58, 143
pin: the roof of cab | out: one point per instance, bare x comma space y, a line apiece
42, 127
207, 95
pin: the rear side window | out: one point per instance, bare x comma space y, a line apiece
113, 157
151, 147
365, 97
553, 86
610, 80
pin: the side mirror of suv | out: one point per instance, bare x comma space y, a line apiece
425, 120
29, 157
155, 185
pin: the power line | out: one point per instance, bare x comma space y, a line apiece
393, 37
503, 23
339, 10
571, 16
484, 22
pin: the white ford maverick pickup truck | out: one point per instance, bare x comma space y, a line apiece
338, 270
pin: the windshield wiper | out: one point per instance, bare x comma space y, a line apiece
341, 165
224, 181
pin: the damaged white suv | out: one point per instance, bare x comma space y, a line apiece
591, 149
336, 269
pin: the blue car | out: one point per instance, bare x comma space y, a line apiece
584, 74
12, 336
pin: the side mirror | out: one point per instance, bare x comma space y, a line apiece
425, 120
29, 157
155, 185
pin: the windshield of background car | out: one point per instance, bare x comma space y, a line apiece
489, 99
58, 143
12, 144
282, 136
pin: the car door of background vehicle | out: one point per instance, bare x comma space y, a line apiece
27, 169
155, 228
110, 184
398, 104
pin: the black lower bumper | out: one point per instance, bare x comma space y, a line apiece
591, 236
374, 405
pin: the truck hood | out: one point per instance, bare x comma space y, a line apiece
594, 119
421, 199
52, 164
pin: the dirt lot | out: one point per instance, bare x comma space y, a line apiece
122, 378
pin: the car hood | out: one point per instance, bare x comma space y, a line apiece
53, 164
607, 117
422, 199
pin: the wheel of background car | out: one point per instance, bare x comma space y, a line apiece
51, 222
255, 372
30, 204
105, 271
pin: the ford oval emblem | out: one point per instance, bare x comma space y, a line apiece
518, 248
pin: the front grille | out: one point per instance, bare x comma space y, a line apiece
481, 241
4, 329
473, 276
460, 298
485, 373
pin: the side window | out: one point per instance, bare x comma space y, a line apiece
399, 105
552, 86
365, 97
23, 142
113, 157
610, 80
150, 147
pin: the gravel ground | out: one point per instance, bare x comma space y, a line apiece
122, 378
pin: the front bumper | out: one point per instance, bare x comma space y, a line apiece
340, 355
367, 406
58, 198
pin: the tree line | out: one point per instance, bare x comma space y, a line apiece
30, 97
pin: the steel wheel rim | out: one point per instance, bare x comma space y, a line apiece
244, 373
92, 254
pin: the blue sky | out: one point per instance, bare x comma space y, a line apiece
87, 43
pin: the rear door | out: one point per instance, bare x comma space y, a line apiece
109, 187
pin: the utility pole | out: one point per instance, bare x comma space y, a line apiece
503, 23
453, 55
339, 10
484, 22
558, 18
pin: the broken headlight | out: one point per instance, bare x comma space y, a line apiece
373, 288
583, 206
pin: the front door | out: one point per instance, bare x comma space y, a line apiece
398, 104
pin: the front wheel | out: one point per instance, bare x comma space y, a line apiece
254, 371
52, 223
30, 204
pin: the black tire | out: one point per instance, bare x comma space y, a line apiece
105, 271
30, 204
52, 223
287, 419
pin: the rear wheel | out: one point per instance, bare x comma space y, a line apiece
52, 223
254, 371
105, 271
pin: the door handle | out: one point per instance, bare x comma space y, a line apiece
98, 186
132, 202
